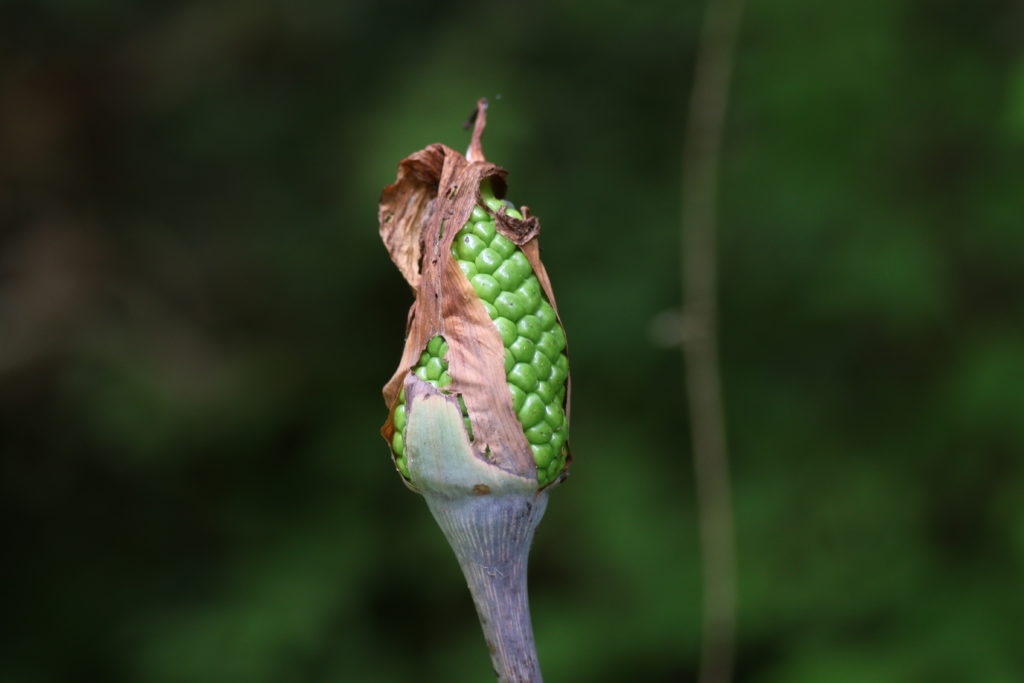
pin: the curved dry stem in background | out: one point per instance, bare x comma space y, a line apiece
703, 384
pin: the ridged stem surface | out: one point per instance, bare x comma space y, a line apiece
491, 537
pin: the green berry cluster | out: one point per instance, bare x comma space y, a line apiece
535, 363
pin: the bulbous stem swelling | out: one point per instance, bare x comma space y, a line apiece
491, 537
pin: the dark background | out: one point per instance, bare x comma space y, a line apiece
197, 315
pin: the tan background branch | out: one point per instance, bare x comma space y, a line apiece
707, 421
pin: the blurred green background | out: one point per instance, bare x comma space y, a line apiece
197, 315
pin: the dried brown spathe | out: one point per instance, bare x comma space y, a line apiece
419, 215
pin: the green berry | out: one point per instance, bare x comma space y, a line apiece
520, 260
507, 274
546, 391
562, 363
532, 410
468, 246
530, 291
507, 330
548, 345
510, 305
485, 286
487, 261
434, 368
400, 418
541, 364
484, 230
434, 346
529, 326
559, 337
539, 434
398, 443
523, 350
523, 376
557, 439
542, 454
505, 247
546, 316
480, 214
554, 415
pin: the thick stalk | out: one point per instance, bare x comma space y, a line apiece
488, 516
491, 537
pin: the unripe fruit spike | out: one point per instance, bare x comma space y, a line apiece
523, 319
486, 275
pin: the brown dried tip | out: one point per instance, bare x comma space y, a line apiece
419, 216
478, 119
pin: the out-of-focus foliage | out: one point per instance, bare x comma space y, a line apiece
196, 317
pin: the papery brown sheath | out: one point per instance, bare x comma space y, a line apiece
482, 493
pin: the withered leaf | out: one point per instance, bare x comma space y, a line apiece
518, 231
407, 207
